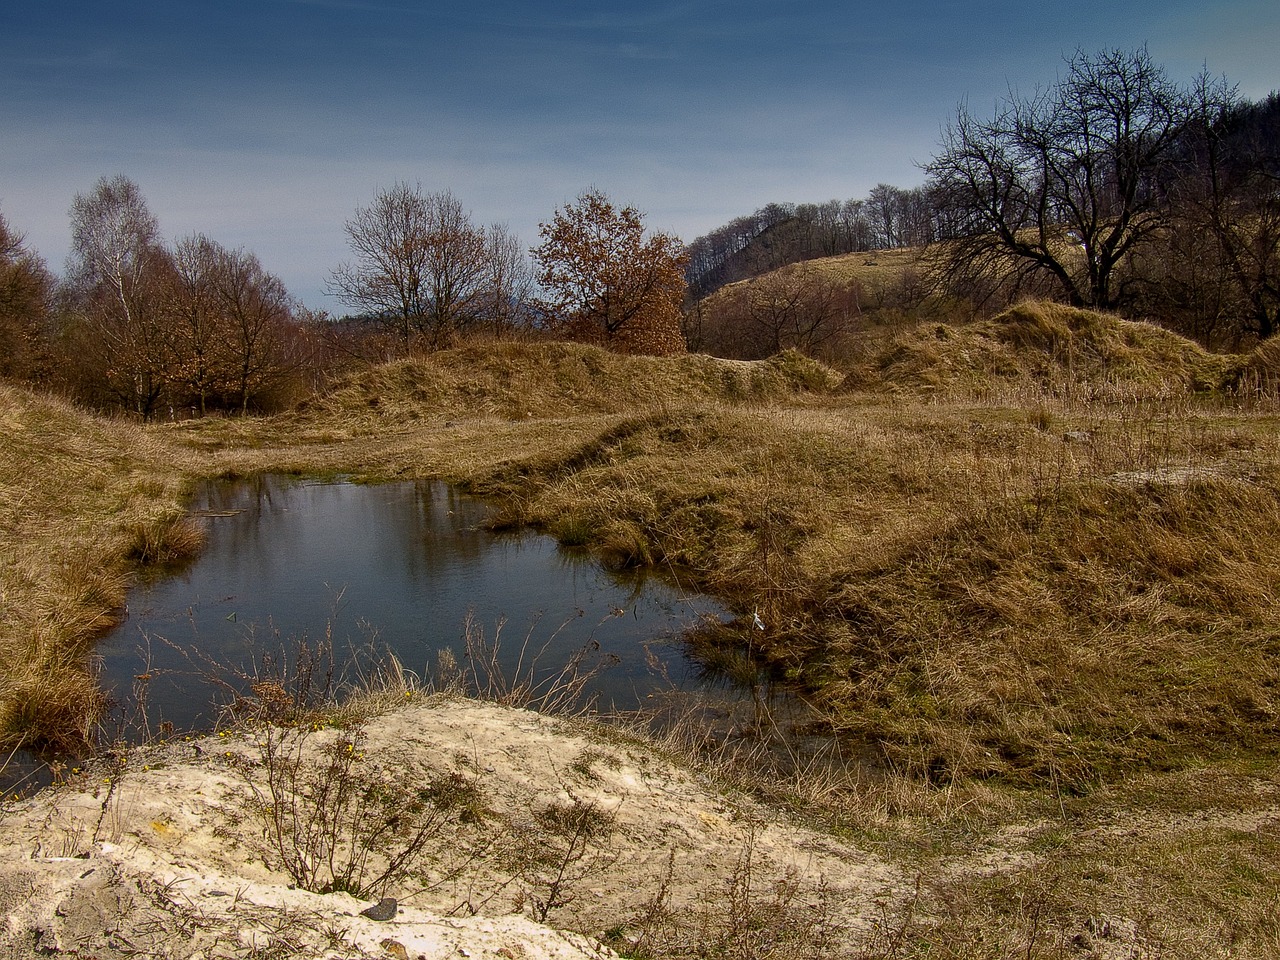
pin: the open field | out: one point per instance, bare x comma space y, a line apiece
1029, 568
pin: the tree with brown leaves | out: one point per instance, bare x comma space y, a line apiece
26, 306
607, 282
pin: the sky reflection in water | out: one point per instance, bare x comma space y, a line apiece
397, 566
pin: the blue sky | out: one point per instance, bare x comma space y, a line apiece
264, 124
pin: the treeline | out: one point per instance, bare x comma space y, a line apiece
784, 233
1116, 189
152, 328
192, 327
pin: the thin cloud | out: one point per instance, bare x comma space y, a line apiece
265, 124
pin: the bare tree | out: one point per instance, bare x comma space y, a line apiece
257, 310
508, 288
388, 278
883, 214
457, 266
797, 307
1063, 186
1231, 192
420, 264
230, 322
741, 248
117, 273
609, 283
202, 361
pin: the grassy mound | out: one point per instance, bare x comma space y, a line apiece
515, 380
1059, 348
82, 502
1258, 373
1114, 627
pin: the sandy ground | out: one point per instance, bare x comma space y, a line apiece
539, 838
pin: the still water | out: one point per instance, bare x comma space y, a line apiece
368, 569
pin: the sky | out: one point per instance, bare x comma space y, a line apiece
264, 124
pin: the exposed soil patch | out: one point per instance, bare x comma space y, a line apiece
166, 851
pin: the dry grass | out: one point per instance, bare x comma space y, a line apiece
1063, 351
978, 596
516, 381
955, 580
1033, 569
878, 273
83, 504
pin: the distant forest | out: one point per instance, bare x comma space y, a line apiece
782, 233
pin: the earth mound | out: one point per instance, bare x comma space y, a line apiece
543, 838
516, 380
1055, 347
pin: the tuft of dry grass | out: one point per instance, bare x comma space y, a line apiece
1062, 350
1255, 378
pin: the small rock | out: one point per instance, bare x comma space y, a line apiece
384, 909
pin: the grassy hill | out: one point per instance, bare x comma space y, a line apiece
878, 273
557, 379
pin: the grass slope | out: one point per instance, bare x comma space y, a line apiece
876, 272
556, 379
83, 503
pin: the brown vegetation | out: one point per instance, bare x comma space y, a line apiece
1028, 568
83, 502
609, 283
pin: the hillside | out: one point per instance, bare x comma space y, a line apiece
84, 503
878, 274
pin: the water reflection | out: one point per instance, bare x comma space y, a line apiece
397, 566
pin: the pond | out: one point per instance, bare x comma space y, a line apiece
294, 567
